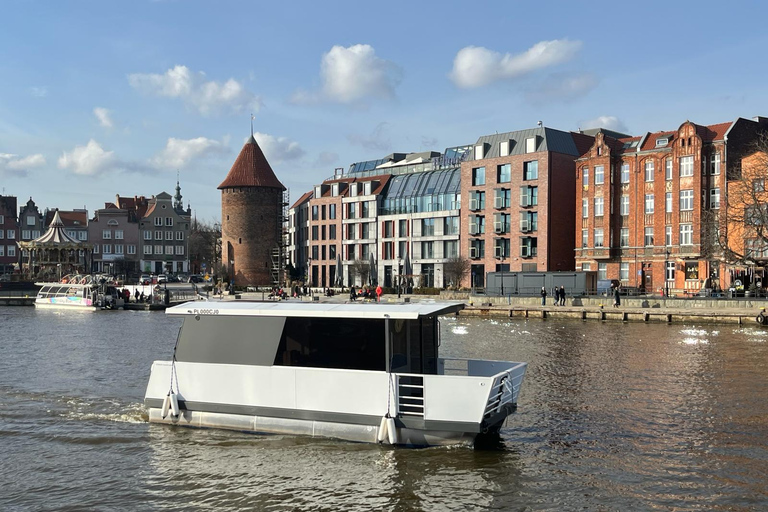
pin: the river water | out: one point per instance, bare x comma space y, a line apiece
611, 417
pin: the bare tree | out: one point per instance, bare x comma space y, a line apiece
738, 232
360, 268
204, 245
455, 269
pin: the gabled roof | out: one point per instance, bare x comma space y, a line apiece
251, 169
650, 141
70, 219
713, 132
305, 197
547, 139
56, 236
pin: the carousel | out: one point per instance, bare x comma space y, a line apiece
54, 254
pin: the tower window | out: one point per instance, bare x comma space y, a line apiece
239, 240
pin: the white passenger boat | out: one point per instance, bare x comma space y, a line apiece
325, 370
78, 292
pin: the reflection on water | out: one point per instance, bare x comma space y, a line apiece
611, 417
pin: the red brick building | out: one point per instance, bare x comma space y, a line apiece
517, 202
647, 207
9, 234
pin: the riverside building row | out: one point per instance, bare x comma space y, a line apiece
130, 235
630, 208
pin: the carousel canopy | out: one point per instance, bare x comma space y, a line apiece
55, 238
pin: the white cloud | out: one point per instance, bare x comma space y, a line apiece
607, 122
102, 114
327, 158
88, 160
278, 149
353, 75
208, 97
13, 164
180, 152
475, 66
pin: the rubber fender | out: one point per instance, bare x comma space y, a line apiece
391, 431
166, 405
174, 404
382, 434
760, 318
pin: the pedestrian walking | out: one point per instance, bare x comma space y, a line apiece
543, 296
562, 295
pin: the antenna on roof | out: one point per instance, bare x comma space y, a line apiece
252, 118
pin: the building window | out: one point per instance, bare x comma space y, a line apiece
351, 210
179, 250
332, 211
584, 208
624, 271
351, 231
332, 252
322, 212
686, 234
758, 185
366, 231
504, 148
30, 220
158, 221
119, 249
179, 235
96, 249
624, 208
169, 249
427, 227
585, 238
599, 203
477, 249
478, 176
158, 235
365, 210
315, 231
530, 145
715, 164
402, 249
529, 196
131, 249
531, 170
450, 248
649, 170
686, 200
668, 169
106, 249
598, 237
11, 251
648, 203
389, 229
10, 234
332, 232
118, 234
169, 221
81, 235
714, 198
25, 234
648, 241
476, 200
668, 202
451, 226
625, 173
585, 176
147, 235
402, 228
668, 236
315, 212
427, 250
529, 247
686, 166
602, 271
504, 173
599, 175
169, 235
502, 198
624, 237
670, 272
147, 249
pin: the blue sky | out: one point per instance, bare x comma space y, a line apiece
101, 98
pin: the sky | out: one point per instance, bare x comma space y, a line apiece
99, 98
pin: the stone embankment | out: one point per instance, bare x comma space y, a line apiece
632, 309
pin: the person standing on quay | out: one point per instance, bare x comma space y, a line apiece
543, 296
562, 295
616, 297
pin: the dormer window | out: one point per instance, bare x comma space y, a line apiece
318, 192
662, 141
353, 189
367, 188
335, 189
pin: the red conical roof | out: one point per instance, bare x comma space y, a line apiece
251, 169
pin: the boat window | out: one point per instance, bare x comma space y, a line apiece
355, 344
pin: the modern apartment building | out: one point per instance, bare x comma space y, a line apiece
518, 192
298, 236
9, 229
648, 208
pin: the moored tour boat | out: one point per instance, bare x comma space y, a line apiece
327, 370
78, 292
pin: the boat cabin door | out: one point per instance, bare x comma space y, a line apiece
414, 346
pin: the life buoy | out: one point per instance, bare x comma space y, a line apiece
760, 318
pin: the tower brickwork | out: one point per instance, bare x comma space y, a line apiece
251, 217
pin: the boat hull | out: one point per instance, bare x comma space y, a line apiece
355, 432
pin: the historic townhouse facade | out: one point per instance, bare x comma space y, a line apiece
648, 208
517, 202
164, 231
75, 222
30, 226
115, 231
9, 229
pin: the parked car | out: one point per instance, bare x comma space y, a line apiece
162, 278
145, 279
195, 278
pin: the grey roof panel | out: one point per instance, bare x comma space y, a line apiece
548, 139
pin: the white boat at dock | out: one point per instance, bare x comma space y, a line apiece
84, 292
359, 372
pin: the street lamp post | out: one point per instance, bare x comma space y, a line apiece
399, 278
501, 269
666, 277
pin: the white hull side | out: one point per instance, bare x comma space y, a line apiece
65, 305
344, 431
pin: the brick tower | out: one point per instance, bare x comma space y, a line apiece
251, 217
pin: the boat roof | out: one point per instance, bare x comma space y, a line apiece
373, 311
